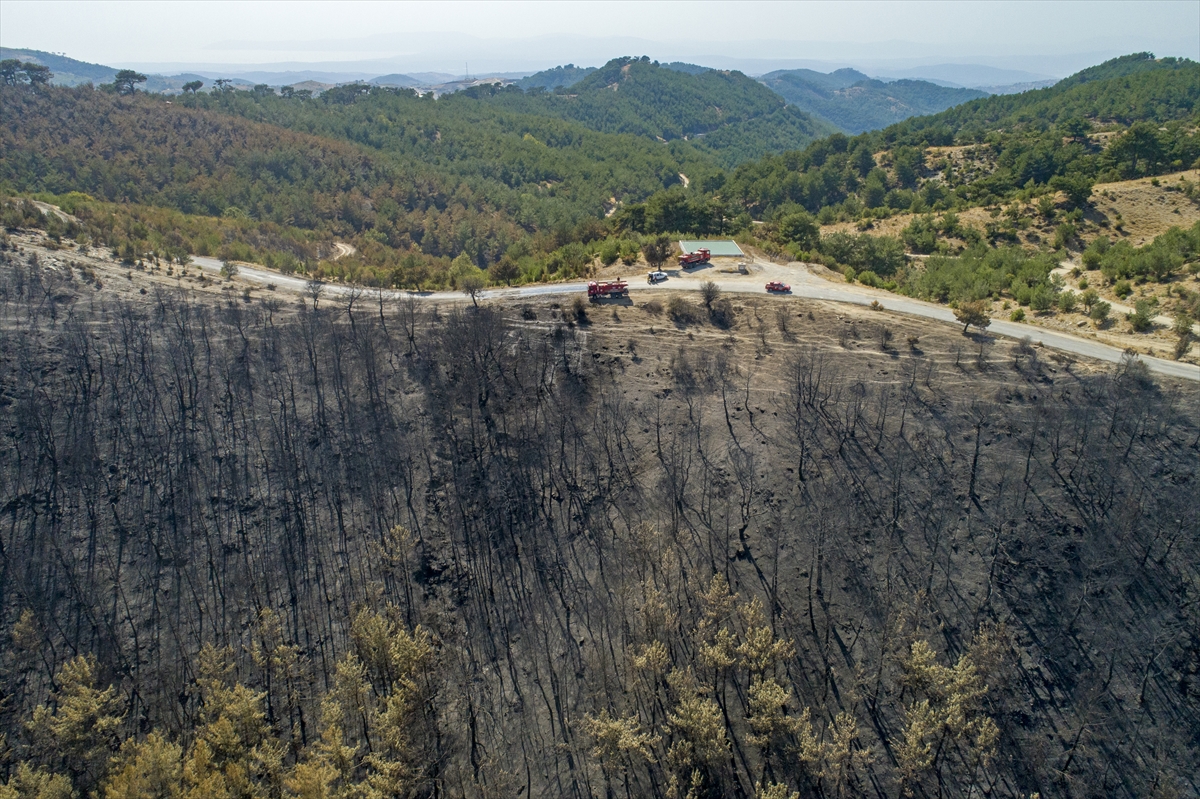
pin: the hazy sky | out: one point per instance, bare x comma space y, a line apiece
1002, 33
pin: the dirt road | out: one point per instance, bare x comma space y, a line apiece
804, 284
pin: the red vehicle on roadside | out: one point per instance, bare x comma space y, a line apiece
700, 256
778, 287
607, 288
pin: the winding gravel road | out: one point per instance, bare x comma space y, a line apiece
804, 284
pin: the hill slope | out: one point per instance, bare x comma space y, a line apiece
1123, 90
674, 102
856, 103
67, 71
415, 177
484, 553
1105, 129
551, 79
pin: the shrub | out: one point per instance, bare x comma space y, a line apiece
609, 252
1063, 234
921, 234
1067, 301
682, 312
1122, 289
1094, 254
1017, 315
721, 313
869, 278
1142, 318
1099, 312
579, 309
1042, 299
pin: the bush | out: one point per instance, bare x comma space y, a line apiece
1063, 235
609, 252
1017, 315
1093, 256
1042, 299
682, 312
721, 313
921, 234
1067, 301
579, 309
869, 278
1122, 289
1142, 318
1099, 312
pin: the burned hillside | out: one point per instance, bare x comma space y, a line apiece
541, 551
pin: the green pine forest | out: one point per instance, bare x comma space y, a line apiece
533, 185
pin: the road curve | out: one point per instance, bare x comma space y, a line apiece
804, 284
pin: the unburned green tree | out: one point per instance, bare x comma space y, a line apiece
126, 81
657, 250
972, 313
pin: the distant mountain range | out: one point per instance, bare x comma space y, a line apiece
846, 99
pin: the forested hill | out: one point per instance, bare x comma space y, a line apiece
1124, 90
1067, 136
67, 71
856, 104
1122, 66
744, 119
402, 177
634, 96
555, 78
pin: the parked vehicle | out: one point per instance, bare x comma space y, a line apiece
607, 288
778, 287
700, 256
656, 277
